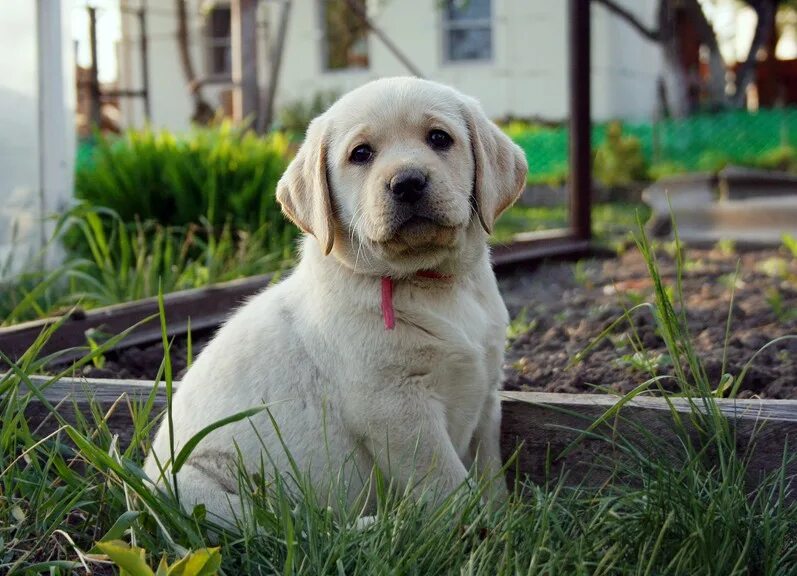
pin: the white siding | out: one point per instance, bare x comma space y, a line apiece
527, 76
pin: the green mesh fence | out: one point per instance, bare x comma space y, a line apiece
695, 143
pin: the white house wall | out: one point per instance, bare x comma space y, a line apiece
527, 76
36, 124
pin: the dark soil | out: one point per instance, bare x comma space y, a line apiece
559, 308
562, 307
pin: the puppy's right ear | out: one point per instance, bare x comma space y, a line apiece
303, 190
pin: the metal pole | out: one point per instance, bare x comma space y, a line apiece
580, 180
142, 28
94, 82
244, 59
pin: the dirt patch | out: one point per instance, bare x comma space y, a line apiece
560, 308
143, 362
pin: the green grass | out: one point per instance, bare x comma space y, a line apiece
611, 221
61, 493
126, 262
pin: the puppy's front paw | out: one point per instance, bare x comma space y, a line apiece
363, 522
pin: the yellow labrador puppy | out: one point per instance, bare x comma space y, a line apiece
383, 348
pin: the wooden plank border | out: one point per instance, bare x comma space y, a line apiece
539, 426
209, 306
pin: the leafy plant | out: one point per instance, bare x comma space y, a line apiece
521, 324
713, 161
131, 561
776, 303
219, 175
619, 160
127, 262
790, 244
780, 158
296, 116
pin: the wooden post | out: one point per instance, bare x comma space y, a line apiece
244, 60
142, 28
266, 115
580, 180
94, 82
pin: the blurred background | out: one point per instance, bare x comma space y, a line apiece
141, 140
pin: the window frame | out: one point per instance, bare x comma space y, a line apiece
323, 48
210, 43
447, 25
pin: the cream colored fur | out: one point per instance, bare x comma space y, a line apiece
419, 402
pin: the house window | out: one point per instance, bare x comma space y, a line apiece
467, 30
218, 42
345, 43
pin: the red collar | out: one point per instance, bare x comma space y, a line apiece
388, 313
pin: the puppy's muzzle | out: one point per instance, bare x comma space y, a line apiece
408, 185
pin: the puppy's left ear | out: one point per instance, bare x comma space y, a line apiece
303, 190
500, 166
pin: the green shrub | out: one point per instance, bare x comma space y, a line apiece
220, 174
713, 161
619, 160
666, 169
780, 158
294, 118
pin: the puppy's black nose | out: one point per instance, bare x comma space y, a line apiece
408, 185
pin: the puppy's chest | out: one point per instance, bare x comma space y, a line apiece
455, 337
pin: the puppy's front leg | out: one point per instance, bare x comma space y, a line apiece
405, 432
485, 448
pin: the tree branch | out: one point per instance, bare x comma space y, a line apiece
630, 19
358, 11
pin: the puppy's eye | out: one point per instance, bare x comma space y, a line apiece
439, 140
361, 154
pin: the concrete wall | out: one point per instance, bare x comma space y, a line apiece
36, 124
526, 77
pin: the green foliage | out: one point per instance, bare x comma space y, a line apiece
611, 221
220, 175
132, 561
700, 142
519, 128
790, 244
778, 306
666, 169
124, 262
619, 160
780, 158
520, 324
294, 118
713, 161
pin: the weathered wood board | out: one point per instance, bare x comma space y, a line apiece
540, 426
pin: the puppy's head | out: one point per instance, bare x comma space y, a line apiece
399, 172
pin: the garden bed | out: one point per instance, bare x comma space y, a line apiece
560, 308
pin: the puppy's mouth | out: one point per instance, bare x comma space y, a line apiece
419, 234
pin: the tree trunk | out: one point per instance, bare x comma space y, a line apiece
676, 100
766, 10
717, 68
203, 112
